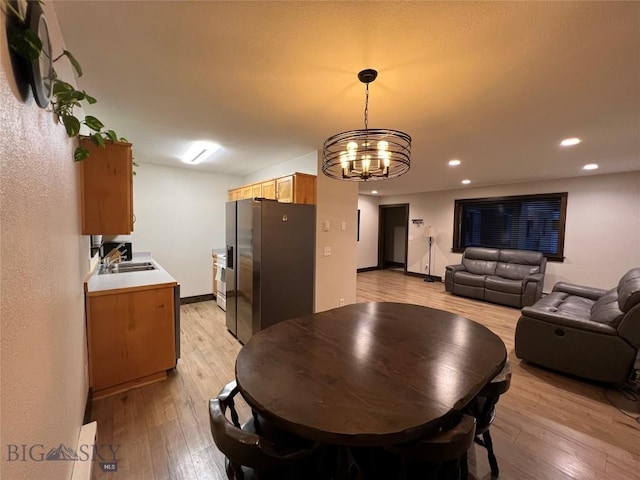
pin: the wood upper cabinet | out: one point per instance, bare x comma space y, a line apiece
284, 187
246, 192
107, 189
294, 188
269, 189
235, 194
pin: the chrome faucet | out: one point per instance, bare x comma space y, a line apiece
111, 259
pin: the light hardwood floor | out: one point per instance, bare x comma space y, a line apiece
548, 426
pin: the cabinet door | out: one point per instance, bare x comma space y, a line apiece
131, 336
269, 189
284, 188
107, 189
256, 190
246, 192
234, 194
304, 189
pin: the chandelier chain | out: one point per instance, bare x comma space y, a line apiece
366, 109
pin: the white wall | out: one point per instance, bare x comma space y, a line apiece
44, 259
180, 217
305, 164
368, 244
335, 274
602, 239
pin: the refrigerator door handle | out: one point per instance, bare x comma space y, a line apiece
230, 257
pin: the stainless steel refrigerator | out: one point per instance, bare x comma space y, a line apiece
270, 263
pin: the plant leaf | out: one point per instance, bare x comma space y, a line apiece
25, 43
93, 123
113, 136
60, 86
13, 10
71, 125
80, 154
90, 100
97, 139
74, 63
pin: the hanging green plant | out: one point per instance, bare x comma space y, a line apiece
24, 38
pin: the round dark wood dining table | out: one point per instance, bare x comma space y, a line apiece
367, 374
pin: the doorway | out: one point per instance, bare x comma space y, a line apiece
393, 236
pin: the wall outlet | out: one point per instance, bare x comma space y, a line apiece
343, 226
327, 251
341, 302
326, 225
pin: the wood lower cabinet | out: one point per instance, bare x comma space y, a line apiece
131, 338
107, 189
294, 188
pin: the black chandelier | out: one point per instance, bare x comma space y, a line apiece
369, 154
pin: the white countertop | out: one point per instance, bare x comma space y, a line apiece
98, 284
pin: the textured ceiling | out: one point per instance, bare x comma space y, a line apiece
496, 85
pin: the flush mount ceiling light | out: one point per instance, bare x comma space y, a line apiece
198, 152
466, 181
590, 166
454, 162
368, 154
570, 142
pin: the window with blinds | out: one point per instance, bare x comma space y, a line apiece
525, 222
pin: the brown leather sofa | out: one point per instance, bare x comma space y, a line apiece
509, 277
584, 331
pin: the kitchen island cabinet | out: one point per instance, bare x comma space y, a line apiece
132, 329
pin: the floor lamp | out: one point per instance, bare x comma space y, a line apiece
429, 232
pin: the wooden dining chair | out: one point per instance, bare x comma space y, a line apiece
483, 408
248, 453
441, 455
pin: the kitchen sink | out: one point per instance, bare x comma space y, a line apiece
127, 267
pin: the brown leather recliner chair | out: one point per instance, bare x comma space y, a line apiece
584, 331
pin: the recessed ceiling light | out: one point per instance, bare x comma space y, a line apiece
375, 192
454, 163
198, 152
570, 142
590, 166
466, 181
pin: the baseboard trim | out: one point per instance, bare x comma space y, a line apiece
367, 269
434, 278
197, 299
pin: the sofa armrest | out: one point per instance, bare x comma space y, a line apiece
534, 278
566, 319
579, 290
629, 327
455, 268
450, 271
532, 289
